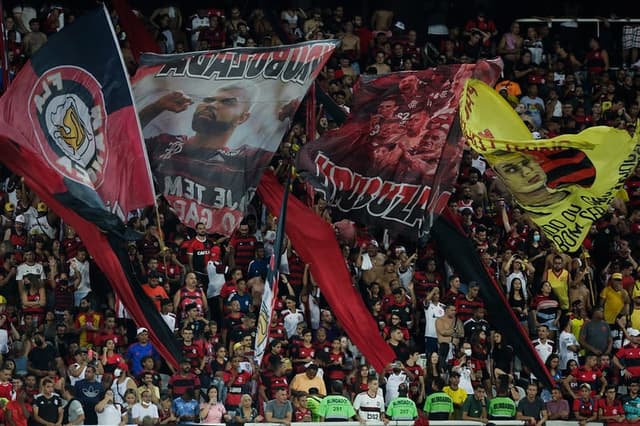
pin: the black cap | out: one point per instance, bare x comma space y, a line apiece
154, 274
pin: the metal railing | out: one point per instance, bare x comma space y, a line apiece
596, 21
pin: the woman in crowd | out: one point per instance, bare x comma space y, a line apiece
110, 360
518, 302
213, 411
432, 371
246, 413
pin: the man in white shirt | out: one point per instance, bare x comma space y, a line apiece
568, 346
79, 266
397, 376
29, 267
291, 316
143, 409
432, 311
370, 404
542, 344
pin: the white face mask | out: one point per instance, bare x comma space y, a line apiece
467, 352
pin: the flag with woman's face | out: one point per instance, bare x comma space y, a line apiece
564, 183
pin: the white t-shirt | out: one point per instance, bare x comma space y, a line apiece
111, 415
544, 349
140, 412
393, 381
565, 340
291, 321
24, 269
431, 314
73, 380
85, 275
368, 408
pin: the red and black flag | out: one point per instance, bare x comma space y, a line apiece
315, 242
396, 158
69, 127
456, 247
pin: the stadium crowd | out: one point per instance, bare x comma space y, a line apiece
65, 336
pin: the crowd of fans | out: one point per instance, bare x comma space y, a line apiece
64, 335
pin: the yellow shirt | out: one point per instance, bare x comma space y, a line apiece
560, 286
459, 396
613, 303
635, 314
576, 327
302, 383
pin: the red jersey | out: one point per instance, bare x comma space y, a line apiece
423, 283
590, 377
194, 353
244, 250
277, 331
237, 387
610, 410
585, 408
336, 372
5, 390
190, 296
630, 354
71, 246
202, 253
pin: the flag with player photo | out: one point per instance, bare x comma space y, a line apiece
396, 158
212, 122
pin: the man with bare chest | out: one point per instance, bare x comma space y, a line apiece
381, 20
377, 263
350, 42
388, 275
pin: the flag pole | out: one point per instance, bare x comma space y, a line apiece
3, 51
270, 295
158, 225
311, 113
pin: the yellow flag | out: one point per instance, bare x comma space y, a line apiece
565, 183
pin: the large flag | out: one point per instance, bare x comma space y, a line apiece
213, 120
564, 183
69, 127
270, 294
397, 155
461, 254
315, 242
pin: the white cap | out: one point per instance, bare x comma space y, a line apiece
141, 330
20, 218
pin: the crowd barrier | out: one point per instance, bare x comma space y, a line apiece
596, 21
450, 423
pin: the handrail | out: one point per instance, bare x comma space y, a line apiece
596, 21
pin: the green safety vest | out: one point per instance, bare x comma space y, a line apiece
313, 404
336, 407
502, 407
438, 402
402, 408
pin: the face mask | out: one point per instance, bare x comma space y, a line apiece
536, 237
467, 352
